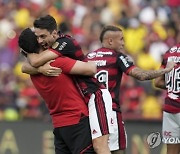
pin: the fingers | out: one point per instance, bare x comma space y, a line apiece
50, 61
54, 72
55, 68
49, 70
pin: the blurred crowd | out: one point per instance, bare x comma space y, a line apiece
150, 27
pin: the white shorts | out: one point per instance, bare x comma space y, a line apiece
118, 139
100, 113
171, 128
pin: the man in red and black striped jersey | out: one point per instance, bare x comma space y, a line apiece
98, 97
171, 109
112, 62
66, 106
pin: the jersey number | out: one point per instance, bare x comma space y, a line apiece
173, 80
102, 77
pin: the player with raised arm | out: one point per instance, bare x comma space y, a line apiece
112, 62
171, 109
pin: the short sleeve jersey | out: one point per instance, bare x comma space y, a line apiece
65, 103
67, 46
172, 80
111, 65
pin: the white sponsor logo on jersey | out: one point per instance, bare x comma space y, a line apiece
98, 54
62, 45
175, 49
100, 62
101, 54
124, 61
174, 59
91, 55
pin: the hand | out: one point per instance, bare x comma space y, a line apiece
170, 65
48, 70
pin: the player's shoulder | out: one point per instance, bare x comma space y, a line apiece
62, 42
64, 38
121, 54
175, 48
125, 57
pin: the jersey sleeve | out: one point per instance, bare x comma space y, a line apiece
64, 46
125, 63
65, 63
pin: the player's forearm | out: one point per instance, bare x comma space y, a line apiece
84, 68
147, 75
28, 69
92, 69
35, 60
40, 59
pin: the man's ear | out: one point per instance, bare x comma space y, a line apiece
54, 33
110, 41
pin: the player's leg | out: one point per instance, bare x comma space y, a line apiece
100, 114
173, 148
100, 144
77, 137
171, 132
118, 140
83, 140
60, 145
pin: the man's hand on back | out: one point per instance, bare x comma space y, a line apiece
49, 70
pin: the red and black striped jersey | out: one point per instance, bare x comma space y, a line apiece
111, 65
172, 80
67, 46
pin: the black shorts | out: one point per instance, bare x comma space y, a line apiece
74, 139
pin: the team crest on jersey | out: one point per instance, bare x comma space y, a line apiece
91, 55
55, 45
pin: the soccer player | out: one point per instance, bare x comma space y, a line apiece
66, 106
112, 62
96, 95
171, 108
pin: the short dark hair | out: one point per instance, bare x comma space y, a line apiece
28, 41
64, 27
108, 28
46, 22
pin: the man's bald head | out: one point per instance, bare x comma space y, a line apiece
108, 31
111, 37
